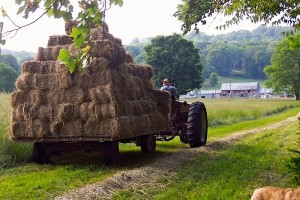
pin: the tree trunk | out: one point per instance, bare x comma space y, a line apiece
298, 96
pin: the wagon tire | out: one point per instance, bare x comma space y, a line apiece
38, 153
148, 144
111, 154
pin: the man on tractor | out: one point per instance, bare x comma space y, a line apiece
168, 87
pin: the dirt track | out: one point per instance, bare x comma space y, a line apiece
164, 167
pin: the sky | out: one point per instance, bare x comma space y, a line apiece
135, 19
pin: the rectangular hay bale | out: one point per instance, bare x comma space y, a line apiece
34, 97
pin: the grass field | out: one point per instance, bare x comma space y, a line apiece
228, 174
22, 180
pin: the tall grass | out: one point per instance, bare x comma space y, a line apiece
232, 111
10, 153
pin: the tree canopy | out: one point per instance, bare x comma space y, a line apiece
11, 61
175, 58
284, 71
193, 12
8, 77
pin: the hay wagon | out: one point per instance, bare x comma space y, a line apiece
112, 101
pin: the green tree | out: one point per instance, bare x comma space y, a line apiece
192, 12
176, 58
8, 77
213, 79
284, 71
11, 61
217, 57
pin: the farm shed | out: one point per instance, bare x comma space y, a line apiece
239, 89
209, 94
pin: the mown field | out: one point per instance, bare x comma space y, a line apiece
21, 179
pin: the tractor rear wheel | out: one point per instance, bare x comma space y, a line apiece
197, 125
148, 143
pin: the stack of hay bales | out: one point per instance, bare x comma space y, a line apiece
111, 100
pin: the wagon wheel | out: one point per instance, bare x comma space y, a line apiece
110, 152
197, 125
38, 153
148, 143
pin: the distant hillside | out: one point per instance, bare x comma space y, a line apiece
19, 55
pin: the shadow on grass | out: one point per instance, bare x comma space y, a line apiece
127, 158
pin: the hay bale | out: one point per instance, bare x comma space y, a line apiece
98, 127
84, 112
29, 112
124, 128
113, 52
111, 110
67, 112
55, 128
24, 81
118, 41
102, 94
81, 80
34, 97
38, 67
128, 58
144, 72
49, 53
102, 78
58, 40
31, 67
17, 113
60, 67
69, 25
45, 113
17, 130
71, 95
147, 107
39, 129
65, 80
45, 81
71, 129
101, 34
100, 64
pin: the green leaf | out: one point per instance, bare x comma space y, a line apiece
79, 41
2, 42
67, 16
3, 12
117, 2
50, 12
47, 3
21, 9
64, 55
18, 1
71, 65
75, 32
